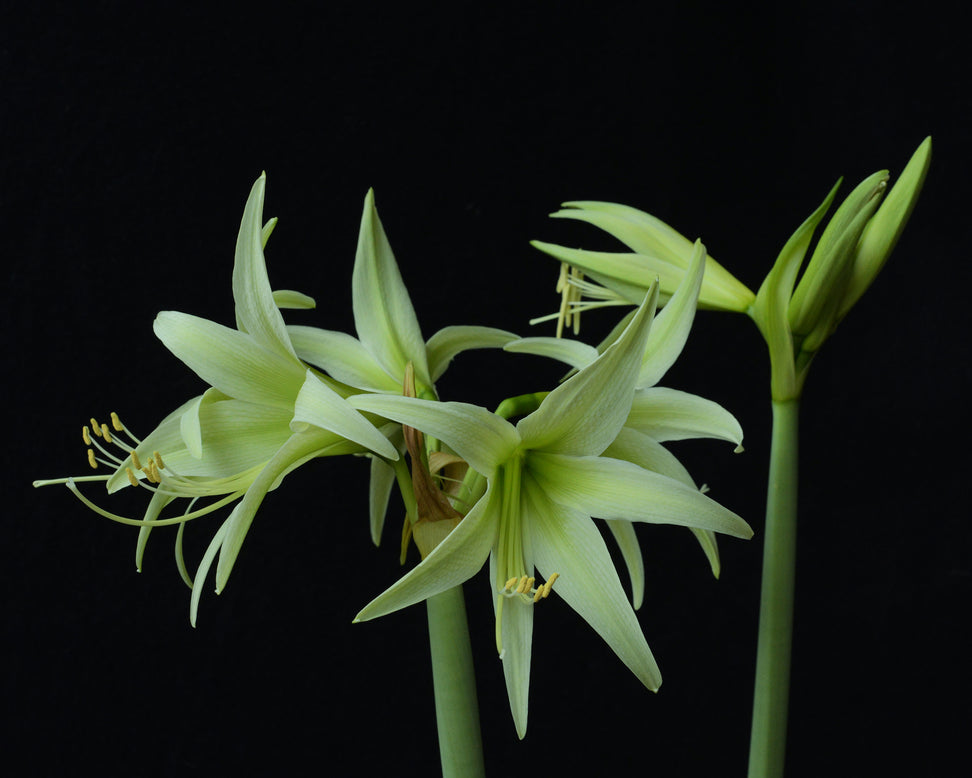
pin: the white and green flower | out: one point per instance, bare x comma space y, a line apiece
265, 413
545, 478
658, 414
389, 339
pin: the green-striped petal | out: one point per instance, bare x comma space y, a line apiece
572, 352
671, 327
482, 438
383, 312
644, 451
343, 357
288, 298
320, 406
627, 540
670, 414
614, 489
567, 542
230, 360
256, 310
298, 449
455, 560
448, 342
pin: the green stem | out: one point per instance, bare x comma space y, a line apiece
767, 748
456, 708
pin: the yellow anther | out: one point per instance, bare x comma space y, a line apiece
116, 423
153, 472
95, 427
131, 476
135, 462
91, 459
524, 586
508, 586
85, 436
158, 460
106, 434
549, 584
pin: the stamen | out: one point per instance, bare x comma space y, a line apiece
116, 422
549, 584
508, 586
95, 427
154, 472
131, 476
91, 459
135, 461
106, 434
158, 460
85, 436
576, 276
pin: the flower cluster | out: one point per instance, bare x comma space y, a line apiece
479, 487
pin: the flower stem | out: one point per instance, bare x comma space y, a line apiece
456, 707
767, 748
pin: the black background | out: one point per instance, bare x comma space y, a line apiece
128, 142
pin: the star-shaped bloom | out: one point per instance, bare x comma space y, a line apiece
389, 340
265, 413
546, 477
658, 414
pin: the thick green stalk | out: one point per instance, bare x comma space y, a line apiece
456, 708
767, 747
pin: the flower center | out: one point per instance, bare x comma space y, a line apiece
524, 586
511, 566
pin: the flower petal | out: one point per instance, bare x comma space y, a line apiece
455, 560
443, 347
343, 357
644, 451
565, 541
572, 352
383, 312
629, 275
256, 311
671, 327
583, 414
189, 425
288, 298
614, 489
482, 438
230, 360
320, 406
203, 570
669, 414
379, 491
300, 447
650, 236
627, 540
516, 619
